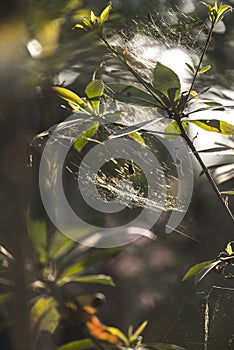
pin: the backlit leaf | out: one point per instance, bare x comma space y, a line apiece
213, 125
196, 268
204, 69
137, 137
44, 315
100, 279
165, 79
119, 334
139, 330
105, 14
173, 128
94, 91
70, 97
228, 192
82, 140
228, 248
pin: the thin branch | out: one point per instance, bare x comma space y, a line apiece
205, 169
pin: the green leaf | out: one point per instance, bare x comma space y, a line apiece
83, 344
197, 268
192, 70
213, 104
133, 128
222, 9
70, 97
100, 279
229, 249
72, 270
93, 17
138, 332
164, 346
37, 232
167, 81
94, 90
59, 245
204, 69
105, 14
5, 297
213, 125
137, 137
119, 334
83, 139
227, 192
173, 128
79, 25
87, 262
132, 95
44, 315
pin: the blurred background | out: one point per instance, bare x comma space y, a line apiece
39, 49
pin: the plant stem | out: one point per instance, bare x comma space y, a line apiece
177, 116
204, 168
199, 64
134, 73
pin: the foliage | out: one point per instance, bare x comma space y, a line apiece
58, 261
220, 264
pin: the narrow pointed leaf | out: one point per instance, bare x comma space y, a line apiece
100, 279
139, 330
223, 8
131, 94
44, 315
119, 334
173, 128
192, 70
229, 248
204, 69
93, 17
79, 25
105, 14
213, 104
133, 128
59, 246
137, 137
165, 79
213, 125
70, 97
79, 267
94, 91
196, 268
83, 139
228, 192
